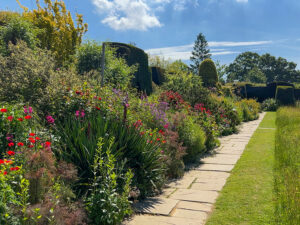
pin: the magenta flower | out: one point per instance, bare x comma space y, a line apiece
77, 113
50, 119
28, 110
82, 114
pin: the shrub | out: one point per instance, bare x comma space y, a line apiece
18, 29
285, 95
133, 55
192, 136
108, 203
208, 73
24, 74
269, 104
250, 109
297, 93
158, 75
60, 35
189, 86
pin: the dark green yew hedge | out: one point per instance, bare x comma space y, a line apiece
134, 55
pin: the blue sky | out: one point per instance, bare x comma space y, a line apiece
169, 27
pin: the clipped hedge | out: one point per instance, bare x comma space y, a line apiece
158, 75
285, 95
208, 73
297, 93
134, 55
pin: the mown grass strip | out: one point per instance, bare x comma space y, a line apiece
247, 197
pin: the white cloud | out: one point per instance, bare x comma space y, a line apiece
127, 14
136, 14
183, 52
242, 1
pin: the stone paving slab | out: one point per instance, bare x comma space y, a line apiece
194, 195
215, 167
185, 182
197, 206
209, 185
162, 220
161, 206
189, 201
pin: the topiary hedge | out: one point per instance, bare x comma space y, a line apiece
208, 73
297, 93
134, 55
158, 75
285, 95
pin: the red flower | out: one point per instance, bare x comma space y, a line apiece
32, 141
37, 138
100, 98
11, 144
163, 141
1, 161
78, 92
10, 118
98, 108
150, 134
27, 117
20, 119
11, 153
30, 146
14, 168
158, 139
5, 172
20, 144
31, 134
47, 144
8, 161
3, 110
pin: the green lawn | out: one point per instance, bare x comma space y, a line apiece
247, 197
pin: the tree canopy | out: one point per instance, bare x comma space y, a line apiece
250, 66
199, 53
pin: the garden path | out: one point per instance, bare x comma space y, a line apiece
189, 200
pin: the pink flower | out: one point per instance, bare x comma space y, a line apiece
50, 119
166, 126
77, 113
82, 114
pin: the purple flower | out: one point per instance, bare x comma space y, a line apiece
50, 119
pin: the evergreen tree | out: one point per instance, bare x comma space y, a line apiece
199, 53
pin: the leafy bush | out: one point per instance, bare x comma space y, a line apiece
285, 95
269, 104
60, 35
208, 73
17, 29
192, 136
249, 108
24, 74
133, 55
188, 86
106, 204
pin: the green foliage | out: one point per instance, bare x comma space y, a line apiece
193, 138
89, 57
80, 137
287, 170
158, 75
15, 30
106, 205
250, 109
221, 70
208, 73
274, 69
255, 75
24, 74
59, 32
189, 86
269, 104
285, 95
7, 16
133, 55
200, 52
